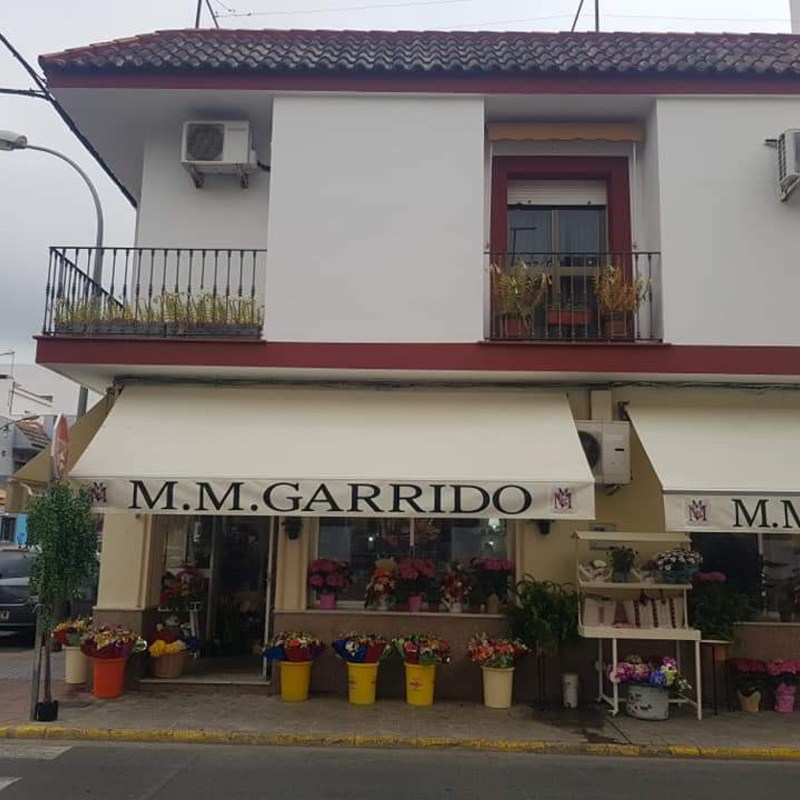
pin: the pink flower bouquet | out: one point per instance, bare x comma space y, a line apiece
328, 576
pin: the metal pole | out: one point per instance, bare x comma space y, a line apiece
597, 16
197, 15
97, 268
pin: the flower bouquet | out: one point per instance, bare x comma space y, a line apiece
422, 653
363, 652
296, 652
381, 589
455, 587
491, 578
649, 684
678, 566
69, 634
109, 647
784, 674
497, 658
169, 658
182, 591
622, 559
751, 680
413, 579
327, 577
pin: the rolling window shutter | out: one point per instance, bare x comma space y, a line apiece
557, 193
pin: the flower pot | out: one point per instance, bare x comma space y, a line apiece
493, 604
169, 666
383, 603
784, 698
683, 576
750, 702
420, 681
647, 702
327, 602
415, 603
109, 677
570, 687
362, 682
76, 666
455, 608
621, 577
498, 686
295, 680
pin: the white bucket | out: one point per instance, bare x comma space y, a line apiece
77, 666
570, 684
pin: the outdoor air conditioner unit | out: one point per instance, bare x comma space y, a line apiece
788, 161
214, 147
608, 450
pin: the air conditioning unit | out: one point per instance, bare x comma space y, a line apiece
608, 450
213, 147
788, 161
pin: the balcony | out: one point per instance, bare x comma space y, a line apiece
155, 292
573, 296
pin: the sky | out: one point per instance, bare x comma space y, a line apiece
43, 202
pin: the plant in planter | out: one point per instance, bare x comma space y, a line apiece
490, 581
363, 653
497, 659
327, 577
715, 608
414, 578
182, 591
296, 652
517, 290
649, 685
678, 566
619, 297
751, 680
572, 315
63, 530
381, 589
456, 585
784, 675
622, 559
168, 658
109, 647
69, 634
422, 653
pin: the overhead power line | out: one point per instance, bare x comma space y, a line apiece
340, 8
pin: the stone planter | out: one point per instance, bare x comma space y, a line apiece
647, 702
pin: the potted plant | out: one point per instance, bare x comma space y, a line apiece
63, 530
497, 659
414, 578
381, 589
455, 587
363, 653
649, 684
783, 675
622, 559
751, 679
490, 581
678, 566
422, 653
715, 608
68, 634
296, 652
169, 650
516, 291
184, 590
619, 297
327, 577
109, 647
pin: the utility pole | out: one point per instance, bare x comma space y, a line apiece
597, 16
197, 14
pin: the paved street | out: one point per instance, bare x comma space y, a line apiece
35, 771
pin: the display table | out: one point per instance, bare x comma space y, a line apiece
614, 634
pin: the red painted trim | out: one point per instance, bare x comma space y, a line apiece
460, 83
611, 169
472, 357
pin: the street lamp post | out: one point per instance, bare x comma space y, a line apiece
15, 141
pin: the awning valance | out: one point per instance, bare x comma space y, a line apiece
722, 468
339, 452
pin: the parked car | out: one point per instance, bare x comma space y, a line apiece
17, 611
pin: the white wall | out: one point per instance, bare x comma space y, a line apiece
376, 219
731, 250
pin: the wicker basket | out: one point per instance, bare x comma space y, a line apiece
169, 666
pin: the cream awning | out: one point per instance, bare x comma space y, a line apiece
327, 452
723, 468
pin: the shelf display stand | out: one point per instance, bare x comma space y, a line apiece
614, 634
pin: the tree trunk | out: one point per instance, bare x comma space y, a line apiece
48, 647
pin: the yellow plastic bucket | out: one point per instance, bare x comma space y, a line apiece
420, 679
362, 681
295, 679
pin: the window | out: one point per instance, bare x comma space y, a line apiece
363, 541
188, 542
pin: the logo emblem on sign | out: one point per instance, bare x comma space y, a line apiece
98, 492
697, 512
562, 500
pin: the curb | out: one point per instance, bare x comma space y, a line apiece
189, 736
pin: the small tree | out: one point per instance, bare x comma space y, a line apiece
63, 533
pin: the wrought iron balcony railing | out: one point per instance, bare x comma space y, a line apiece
159, 292
573, 296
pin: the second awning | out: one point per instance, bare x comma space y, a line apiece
339, 452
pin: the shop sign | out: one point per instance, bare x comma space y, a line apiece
344, 498
733, 513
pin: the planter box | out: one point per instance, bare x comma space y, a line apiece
618, 328
570, 317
